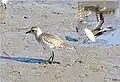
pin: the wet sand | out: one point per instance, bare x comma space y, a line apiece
21, 54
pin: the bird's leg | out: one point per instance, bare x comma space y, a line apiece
76, 29
52, 56
50, 60
44, 48
86, 40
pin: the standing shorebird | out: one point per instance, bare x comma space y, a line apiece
49, 41
4, 2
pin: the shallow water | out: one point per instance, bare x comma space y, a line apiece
113, 20
25, 52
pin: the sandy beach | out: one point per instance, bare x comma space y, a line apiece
21, 55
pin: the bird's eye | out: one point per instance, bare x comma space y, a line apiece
32, 30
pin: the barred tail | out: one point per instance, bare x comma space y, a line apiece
67, 46
71, 47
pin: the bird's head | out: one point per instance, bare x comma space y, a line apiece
35, 30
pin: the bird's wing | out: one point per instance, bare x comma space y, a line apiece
100, 23
90, 35
51, 39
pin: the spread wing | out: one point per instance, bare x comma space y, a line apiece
100, 23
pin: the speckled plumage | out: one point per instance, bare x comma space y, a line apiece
50, 41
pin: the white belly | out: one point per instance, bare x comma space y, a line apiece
4, 1
90, 35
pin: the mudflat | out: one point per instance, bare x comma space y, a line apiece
21, 54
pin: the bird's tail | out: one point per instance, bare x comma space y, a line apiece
68, 46
71, 47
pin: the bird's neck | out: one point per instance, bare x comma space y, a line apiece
39, 32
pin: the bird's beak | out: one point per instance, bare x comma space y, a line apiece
28, 32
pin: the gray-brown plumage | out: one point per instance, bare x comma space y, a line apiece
49, 41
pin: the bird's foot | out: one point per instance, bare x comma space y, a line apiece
46, 63
50, 62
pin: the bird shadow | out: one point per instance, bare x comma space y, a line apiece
28, 60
